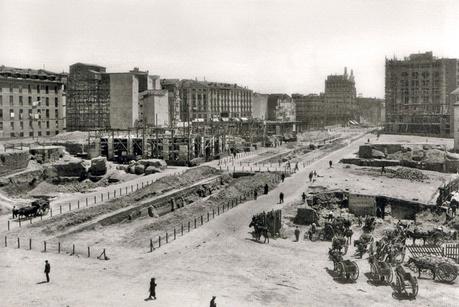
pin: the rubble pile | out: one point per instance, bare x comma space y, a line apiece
145, 166
407, 173
326, 201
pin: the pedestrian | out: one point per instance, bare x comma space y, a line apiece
283, 177
47, 270
303, 196
368, 141
310, 176
212, 302
14, 212
314, 173
296, 167
330, 163
255, 194
266, 189
152, 289
297, 234
281, 198
383, 170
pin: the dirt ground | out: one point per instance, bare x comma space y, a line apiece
218, 259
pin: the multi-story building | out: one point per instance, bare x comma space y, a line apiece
370, 110
281, 108
101, 100
340, 103
418, 99
32, 102
260, 106
173, 90
203, 100
309, 111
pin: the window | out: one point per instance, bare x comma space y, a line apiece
11, 114
1, 100
12, 125
21, 111
29, 89
47, 101
12, 134
30, 101
38, 89
21, 125
21, 134
39, 133
1, 125
30, 124
1, 114
30, 114
56, 102
47, 113
55, 89
21, 103
46, 90
39, 124
31, 133
20, 88
11, 87
38, 99
47, 124
11, 100
47, 133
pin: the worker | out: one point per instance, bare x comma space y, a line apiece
310, 176
303, 196
283, 177
330, 163
281, 198
266, 189
297, 234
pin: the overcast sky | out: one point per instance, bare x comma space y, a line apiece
267, 45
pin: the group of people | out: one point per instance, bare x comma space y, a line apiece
312, 175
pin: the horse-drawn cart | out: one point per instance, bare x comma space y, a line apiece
380, 270
344, 268
440, 268
405, 283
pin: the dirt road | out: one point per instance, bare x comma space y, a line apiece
217, 259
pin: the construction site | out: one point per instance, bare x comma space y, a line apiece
108, 216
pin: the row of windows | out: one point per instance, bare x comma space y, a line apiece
39, 88
30, 102
37, 115
31, 134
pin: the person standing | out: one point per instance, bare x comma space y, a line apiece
303, 196
255, 194
152, 289
283, 177
212, 302
310, 176
330, 163
47, 270
297, 234
281, 198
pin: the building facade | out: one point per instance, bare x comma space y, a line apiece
260, 106
417, 94
309, 111
32, 102
370, 110
203, 100
154, 108
281, 108
340, 99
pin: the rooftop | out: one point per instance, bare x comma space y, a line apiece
28, 73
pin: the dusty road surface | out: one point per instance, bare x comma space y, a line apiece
218, 259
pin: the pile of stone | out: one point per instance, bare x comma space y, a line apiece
306, 215
146, 166
408, 173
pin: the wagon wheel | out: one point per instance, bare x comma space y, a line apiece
355, 273
446, 272
398, 286
341, 270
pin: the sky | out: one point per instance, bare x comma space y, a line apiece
270, 46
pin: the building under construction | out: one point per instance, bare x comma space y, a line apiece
418, 99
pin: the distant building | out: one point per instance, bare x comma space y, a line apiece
260, 106
370, 110
32, 102
418, 99
203, 100
173, 90
154, 108
309, 111
340, 99
101, 100
281, 108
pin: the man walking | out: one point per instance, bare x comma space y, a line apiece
212, 302
310, 176
282, 177
303, 196
152, 289
47, 270
297, 234
281, 198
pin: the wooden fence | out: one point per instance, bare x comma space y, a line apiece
450, 250
56, 247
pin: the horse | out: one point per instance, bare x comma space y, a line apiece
259, 231
416, 234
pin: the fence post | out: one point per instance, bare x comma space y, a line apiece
218, 210
78, 204
213, 213
108, 195
6, 241
60, 209
19, 221
194, 223
8, 225
30, 243
175, 234
86, 201
120, 192
137, 186
101, 197
89, 252
189, 224
151, 245
51, 212
159, 241
58, 247
73, 249
19, 243
142, 184
207, 216
44, 246
114, 193
70, 206
30, 220
181, 228
95, 199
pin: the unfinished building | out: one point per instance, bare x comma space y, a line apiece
418, 97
